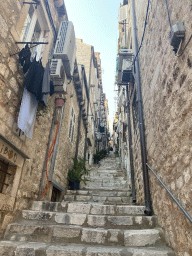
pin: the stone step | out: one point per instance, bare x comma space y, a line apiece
103, 184
104, 171
10, 248
110, 188
104, 199
88, 208
76, 234
89, 220
99, 193
105, 177
106, 185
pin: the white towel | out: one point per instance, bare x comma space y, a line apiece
27, 113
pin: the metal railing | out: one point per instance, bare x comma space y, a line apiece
171, 195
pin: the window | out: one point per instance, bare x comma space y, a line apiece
27, 24
3, 174
33, 31
72, 125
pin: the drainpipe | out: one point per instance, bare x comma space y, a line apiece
148, 203
46, 155
130, 148
78, 132
85, 148
56, 145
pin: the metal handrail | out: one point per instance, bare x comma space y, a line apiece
172, 196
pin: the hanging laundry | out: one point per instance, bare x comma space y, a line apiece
46, 80
27, 113
34, 79
24, 58
37, 88
48, 86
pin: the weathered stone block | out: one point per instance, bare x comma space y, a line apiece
96, 220
79, 208
141, 237
94, 236
103, 251
63, 232
114, 236
120, 220
70, 219
68, 250
69, 198
35, 215
83, 198
103, 209
3, 27
130, 210
114, 199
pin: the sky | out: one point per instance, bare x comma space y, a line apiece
96, 22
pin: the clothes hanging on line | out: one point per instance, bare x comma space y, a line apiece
47, 86
27, 113
25, 58
45, 96
34, 79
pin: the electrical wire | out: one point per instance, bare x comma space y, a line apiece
49, 155
145, 24
168, 14
184, 47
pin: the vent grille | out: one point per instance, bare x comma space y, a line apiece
62, 37
54, 65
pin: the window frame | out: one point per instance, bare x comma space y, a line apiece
27, 36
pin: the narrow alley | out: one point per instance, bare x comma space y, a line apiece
95, 128
99, 220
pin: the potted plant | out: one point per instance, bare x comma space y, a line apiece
96, 158
77, 174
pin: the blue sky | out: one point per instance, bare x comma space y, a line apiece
96, 22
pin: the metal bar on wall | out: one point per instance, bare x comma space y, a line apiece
148, 203
56, 146
46, 155
130, 148
171, 195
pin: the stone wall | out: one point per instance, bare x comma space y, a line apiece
126, 40
85, 56
166, 88
12, 17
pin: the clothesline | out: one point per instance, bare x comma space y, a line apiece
37, 85
36, 44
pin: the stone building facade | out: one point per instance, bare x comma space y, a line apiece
166, 86
21, 168
23, 160
95, 108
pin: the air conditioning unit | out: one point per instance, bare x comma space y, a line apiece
126, 51
58, 76
65, 48
57, 72
127, 71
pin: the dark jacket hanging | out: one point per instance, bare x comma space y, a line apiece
24, 58
34, 79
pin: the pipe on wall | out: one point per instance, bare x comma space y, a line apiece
130, 148
88, 100
148, 203
46, 155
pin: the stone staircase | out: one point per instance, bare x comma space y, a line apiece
98, 220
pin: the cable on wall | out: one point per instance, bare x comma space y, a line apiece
180, 54
168, 14
145, 24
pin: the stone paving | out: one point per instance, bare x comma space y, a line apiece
98, 220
